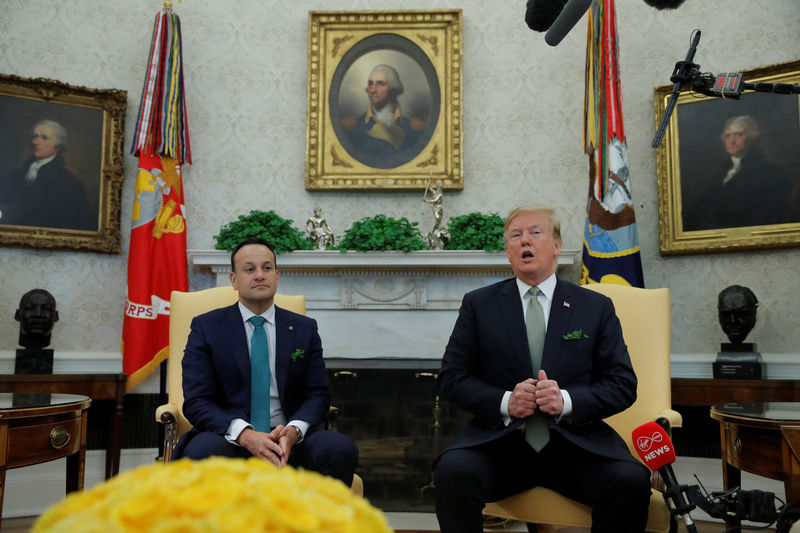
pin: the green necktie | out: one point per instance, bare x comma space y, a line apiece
259, 376
537, 432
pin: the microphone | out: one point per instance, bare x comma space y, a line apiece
569, 16
656, 451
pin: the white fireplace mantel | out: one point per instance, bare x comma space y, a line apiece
380, 304
327, 261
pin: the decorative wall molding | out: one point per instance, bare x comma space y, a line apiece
779, 365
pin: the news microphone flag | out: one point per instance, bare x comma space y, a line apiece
656, 451
157, 253
610, 237
653, 446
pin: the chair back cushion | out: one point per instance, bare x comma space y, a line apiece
184, 306
645, 318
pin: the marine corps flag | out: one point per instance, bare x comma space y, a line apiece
610, 238
157, 253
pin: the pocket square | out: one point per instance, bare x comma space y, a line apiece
575, 335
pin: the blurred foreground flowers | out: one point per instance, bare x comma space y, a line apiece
214, 496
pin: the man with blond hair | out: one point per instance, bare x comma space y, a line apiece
539, 362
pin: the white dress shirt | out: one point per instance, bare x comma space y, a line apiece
33, 170
545, 299
276, 415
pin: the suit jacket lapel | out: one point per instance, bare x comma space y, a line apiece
560, 314
233, 331
514, 323
284, 341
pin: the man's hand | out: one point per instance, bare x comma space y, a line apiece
264, 445
522, 402
548, 395
286, 439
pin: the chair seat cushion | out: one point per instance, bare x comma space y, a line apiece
544, 506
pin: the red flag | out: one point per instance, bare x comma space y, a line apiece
157, 253
156, 265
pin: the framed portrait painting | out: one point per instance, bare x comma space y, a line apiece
729, 169
384, 100
61, 165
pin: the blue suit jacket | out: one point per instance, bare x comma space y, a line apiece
488, 354
216, 370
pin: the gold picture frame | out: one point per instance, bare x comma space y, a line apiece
697, 214
70, 198
344, 152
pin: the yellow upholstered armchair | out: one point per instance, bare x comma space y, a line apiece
645, 318
184, 306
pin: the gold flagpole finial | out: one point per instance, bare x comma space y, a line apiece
168, 5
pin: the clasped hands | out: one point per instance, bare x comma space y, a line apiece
273, 446
543, 394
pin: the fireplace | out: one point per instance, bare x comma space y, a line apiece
389, 407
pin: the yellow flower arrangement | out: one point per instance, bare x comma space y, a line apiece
214, 496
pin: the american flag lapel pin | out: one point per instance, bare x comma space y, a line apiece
566, 304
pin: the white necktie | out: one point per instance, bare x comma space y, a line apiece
737, 164
33, 172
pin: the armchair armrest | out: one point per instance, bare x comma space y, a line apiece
674, 418
167, 414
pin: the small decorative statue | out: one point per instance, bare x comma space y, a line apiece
36, 316
318, 230
736, 359
438, 236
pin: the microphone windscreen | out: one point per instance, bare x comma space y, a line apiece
664, 4
653, 445
540, 14
570, 15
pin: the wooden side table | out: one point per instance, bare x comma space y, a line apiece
95, 386
763, 439
708, 392
36, 428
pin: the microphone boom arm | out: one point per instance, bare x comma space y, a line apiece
684, 71
725, 85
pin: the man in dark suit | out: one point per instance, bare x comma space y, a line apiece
272, 412
747, 190
539, 372
383, 130
43, 192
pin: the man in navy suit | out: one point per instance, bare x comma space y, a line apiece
585, 375
218, 385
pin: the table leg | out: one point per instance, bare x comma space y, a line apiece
2, 488
114, 440
76, 467
731, 476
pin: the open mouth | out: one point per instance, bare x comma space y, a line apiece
527, 255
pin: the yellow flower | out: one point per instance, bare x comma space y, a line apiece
214, 496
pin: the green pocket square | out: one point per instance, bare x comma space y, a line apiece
575, 335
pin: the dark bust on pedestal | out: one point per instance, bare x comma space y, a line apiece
736, 359
36, 316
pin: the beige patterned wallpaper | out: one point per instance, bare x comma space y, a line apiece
246, 85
